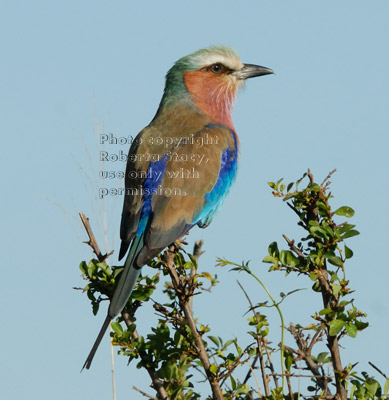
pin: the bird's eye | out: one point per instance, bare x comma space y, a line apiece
217, 68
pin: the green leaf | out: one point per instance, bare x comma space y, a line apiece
319, 232
213, 368
313, 276
95, 307
348, 252
91, 268
83, 267
233, 382
350, 233
386, 387
228, 343
351, 330
371, 386
243, 389
117, 328
345, 211
346, 227
273, 249
335, 260
104, 267
313, 188
279, 181
335, 289
361, 325
352, 391
272, 185
288, 360
215, 340
290, 185
288, 258
322, 358
336, 326
269, 260
238, 349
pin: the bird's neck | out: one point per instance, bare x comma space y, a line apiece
212, 97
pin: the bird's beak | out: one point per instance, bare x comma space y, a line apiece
251, 70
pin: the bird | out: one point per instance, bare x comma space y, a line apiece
181, 166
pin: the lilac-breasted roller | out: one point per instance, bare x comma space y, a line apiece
181, 166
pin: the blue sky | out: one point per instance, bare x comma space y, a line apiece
71, 71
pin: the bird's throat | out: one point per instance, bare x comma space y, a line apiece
213, 95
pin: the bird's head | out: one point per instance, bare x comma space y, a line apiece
210, 79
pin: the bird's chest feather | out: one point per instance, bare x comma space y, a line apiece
214, 97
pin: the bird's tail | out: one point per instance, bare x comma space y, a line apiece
123, 291
127, 280
92, 353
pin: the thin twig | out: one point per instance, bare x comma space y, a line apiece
144, 393
271, 366
305, 376
377, 369
197, 252
92, 240
293, 247
310, 176
325, 180
256, 381
265, 378
289, 385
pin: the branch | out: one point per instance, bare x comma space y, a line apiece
304, 353
265, 378
294, 248
305, 376
156, 382
326, 181
377, 369
271, 366
197, 252
183, 298
92, 240
144, 393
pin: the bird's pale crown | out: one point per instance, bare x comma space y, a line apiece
213, 55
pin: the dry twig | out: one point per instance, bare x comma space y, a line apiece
92, 240
144, 393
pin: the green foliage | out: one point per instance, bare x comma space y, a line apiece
180, 351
